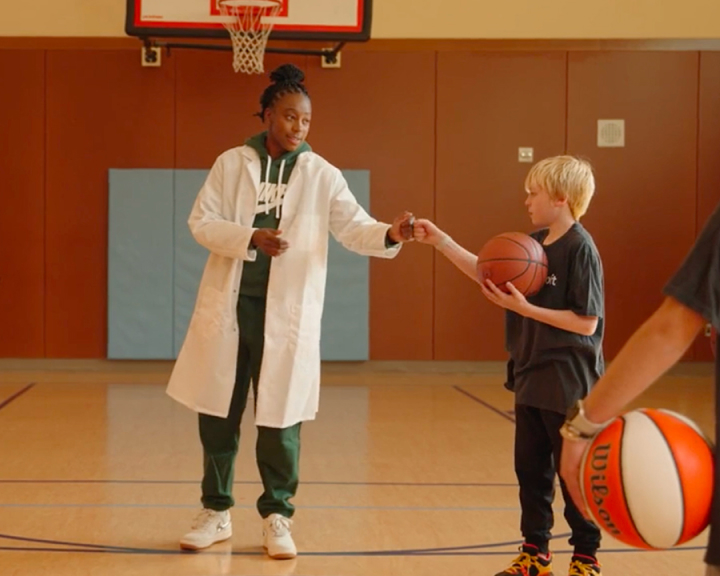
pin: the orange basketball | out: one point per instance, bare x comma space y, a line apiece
513, 257
647, 479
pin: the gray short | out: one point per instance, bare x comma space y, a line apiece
713, 571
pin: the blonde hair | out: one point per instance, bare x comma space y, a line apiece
564, 178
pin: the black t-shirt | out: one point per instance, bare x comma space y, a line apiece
551, 368
696, 284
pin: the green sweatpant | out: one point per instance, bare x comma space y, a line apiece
277, 450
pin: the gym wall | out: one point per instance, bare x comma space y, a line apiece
437, 123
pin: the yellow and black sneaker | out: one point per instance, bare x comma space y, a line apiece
530, 563
584, 566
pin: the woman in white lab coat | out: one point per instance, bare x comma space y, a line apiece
265, 213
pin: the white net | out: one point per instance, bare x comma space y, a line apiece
246, 21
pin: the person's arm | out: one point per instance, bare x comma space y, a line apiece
584, 299
563, 319
692, 298
463, 259
359, 232
651, 351
516, 302
210, 229
427, 232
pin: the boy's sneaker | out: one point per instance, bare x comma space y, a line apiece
277, 539
208, 528
530, 563
584, 566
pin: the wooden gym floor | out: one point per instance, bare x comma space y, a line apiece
407, 471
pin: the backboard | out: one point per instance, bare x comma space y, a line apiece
325, 20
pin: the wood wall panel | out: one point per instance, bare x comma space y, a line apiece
489, 105
643, 215
22, 165
104, 111
438, 127
377, 112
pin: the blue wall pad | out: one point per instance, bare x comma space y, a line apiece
140, 264
190, 257
345, 325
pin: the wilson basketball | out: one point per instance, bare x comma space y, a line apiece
647, 479
513, 257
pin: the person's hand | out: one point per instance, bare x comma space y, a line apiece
570, 460
269, 241
426, 232
402, 228
515, 301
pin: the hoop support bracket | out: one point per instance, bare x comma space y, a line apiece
329, 55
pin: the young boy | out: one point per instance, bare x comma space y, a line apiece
555, 343
692, 298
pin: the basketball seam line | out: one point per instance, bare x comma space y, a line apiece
677, 473
516, 242
519, 275
622, 484
532, 280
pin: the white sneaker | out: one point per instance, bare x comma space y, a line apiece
208, 528
277, 539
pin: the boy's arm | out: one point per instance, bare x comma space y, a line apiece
585, 301
563, 319
463, 259
427, 232
516, 302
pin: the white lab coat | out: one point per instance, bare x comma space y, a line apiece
317, 201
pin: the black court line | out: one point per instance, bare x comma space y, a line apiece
257, 483
477, 550
102, 548
16, 395
488, 406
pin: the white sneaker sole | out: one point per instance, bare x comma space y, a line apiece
221, 537
281, 555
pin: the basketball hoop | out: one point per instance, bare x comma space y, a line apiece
249, 23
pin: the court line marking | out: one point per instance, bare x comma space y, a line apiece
475, 550
486, 404
17, 395
252, 507
258, 483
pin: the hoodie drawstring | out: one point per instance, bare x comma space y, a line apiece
280, 193
266, 190
267, 184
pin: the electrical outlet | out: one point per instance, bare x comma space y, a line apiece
525, 154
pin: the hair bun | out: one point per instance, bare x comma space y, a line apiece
287, 73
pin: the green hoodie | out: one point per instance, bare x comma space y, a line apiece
268, 209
